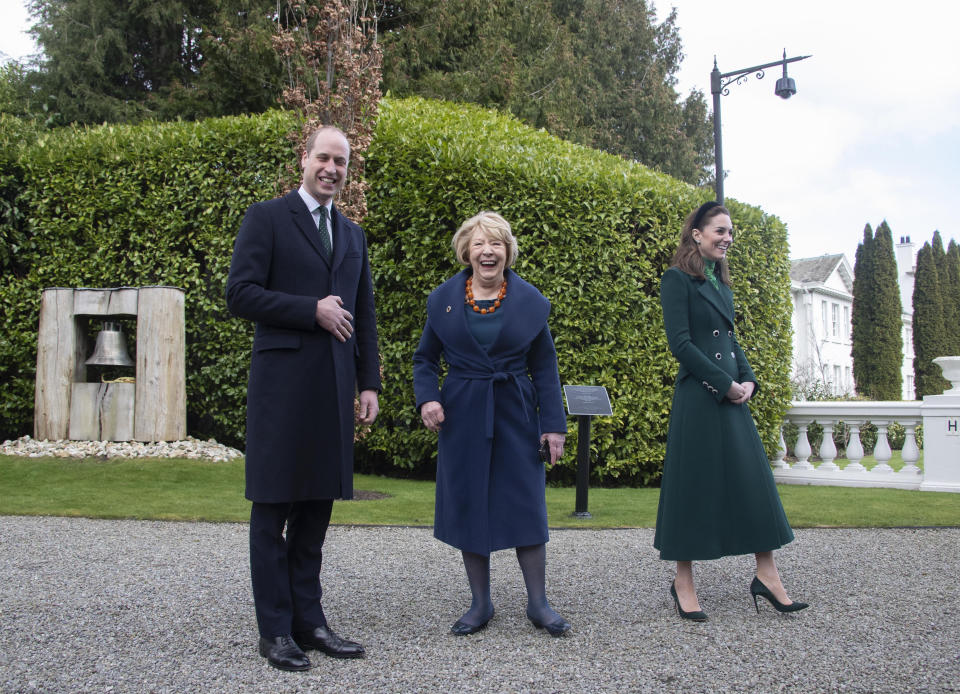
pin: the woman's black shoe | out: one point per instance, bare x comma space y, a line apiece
461, 628
557, 627
698, 616
757, 588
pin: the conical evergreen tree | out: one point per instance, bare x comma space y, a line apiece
948, 307
861, 319
888, 319
927, 321
939, 254
950, 291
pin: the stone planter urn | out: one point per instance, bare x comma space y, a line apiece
951, 371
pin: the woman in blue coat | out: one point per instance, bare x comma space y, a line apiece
717, 496
499, 405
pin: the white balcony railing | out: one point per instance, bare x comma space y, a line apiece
854, 415
939, 415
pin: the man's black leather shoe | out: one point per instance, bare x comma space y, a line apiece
283, 653
323, 639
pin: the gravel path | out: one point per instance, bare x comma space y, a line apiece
131, 606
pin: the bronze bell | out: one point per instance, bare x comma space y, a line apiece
111, 347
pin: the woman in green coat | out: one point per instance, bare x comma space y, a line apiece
717, 496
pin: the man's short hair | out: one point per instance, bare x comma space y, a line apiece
308, 146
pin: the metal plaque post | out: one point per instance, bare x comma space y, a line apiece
585, 402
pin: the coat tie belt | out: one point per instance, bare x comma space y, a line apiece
492, 377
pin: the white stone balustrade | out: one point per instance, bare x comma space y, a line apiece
854, 414
939, 415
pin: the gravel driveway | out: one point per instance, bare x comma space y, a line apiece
131, 606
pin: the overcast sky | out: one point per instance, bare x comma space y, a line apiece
873, 132
13, 42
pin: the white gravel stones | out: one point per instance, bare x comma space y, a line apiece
190, 447
134, 606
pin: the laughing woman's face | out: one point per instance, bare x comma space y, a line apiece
488, 257
715, 237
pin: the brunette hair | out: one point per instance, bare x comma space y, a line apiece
489, 223
687, 256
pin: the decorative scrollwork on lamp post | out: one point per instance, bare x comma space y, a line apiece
720, 85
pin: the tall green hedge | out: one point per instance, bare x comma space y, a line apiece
595, 234
161, 203
15, 136
133, 206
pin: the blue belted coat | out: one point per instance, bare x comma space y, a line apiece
490, 480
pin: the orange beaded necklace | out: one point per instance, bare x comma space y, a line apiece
496, 302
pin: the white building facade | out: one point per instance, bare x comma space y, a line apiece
822, 293
906, 268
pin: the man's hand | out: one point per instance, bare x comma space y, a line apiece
331, 316
369, 406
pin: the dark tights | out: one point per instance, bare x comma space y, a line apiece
478, 575
533, 564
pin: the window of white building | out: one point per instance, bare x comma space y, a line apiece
847, 383
835, 319
846, 322
823, 313
837, 384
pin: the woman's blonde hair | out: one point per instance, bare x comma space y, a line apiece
491, 224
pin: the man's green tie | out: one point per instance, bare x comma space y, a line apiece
325, 233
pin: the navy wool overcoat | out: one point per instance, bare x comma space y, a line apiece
490, 480
300, 416
717, 495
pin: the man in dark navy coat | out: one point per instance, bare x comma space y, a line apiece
300, 270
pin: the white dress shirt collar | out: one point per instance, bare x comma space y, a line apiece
314, 208
313, 205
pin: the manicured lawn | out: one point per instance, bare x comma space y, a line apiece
196, 490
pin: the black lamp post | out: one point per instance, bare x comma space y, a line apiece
720, 83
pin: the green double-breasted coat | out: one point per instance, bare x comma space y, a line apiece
717, 495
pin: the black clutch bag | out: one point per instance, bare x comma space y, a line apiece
545, 451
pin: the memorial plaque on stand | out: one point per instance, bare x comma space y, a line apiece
585, 402
591, 400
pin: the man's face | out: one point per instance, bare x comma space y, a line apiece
325, 165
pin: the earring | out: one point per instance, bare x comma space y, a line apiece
697, 241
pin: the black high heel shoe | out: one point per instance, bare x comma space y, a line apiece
697, 616
758, 588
